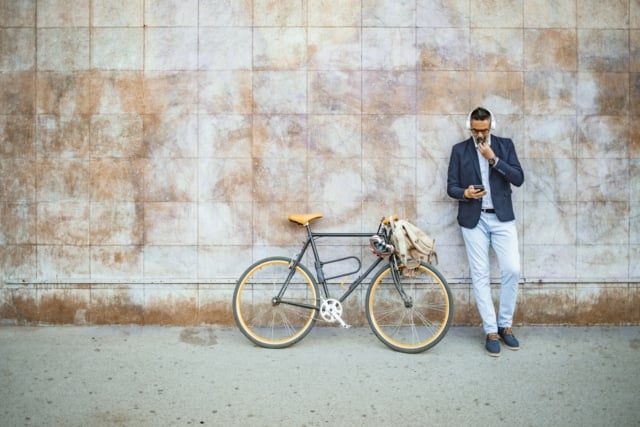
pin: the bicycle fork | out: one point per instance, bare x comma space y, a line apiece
395, 273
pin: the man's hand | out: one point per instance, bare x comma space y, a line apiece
472, 193
485, 150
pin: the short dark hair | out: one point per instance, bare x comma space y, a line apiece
481, 114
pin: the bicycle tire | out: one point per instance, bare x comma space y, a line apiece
267, 323
416, 328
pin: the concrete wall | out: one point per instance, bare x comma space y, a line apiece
150, 150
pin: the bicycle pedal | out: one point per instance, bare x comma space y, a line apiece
342, 322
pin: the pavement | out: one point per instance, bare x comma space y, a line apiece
212, 376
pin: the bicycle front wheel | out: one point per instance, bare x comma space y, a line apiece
266, 319
416, 321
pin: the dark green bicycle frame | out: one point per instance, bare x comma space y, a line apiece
319, 264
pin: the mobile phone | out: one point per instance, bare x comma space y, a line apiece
478, 187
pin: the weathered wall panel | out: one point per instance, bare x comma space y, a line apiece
150, 150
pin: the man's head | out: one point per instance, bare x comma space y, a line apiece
480, 124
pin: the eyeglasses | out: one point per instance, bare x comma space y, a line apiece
480, 131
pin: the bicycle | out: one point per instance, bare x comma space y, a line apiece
277, 300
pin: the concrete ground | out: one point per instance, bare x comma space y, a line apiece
173, 376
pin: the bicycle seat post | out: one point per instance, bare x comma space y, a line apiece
317, 263
305, 220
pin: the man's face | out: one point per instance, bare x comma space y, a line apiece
480, 130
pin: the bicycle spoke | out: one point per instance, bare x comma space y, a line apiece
270, 324
418, 326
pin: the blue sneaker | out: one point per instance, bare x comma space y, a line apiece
510, 341
492, 345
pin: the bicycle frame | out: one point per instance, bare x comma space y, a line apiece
319, 264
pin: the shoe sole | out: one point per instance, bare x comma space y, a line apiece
492, 354
509, 347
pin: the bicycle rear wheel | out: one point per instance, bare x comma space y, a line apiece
267, 321
417, 324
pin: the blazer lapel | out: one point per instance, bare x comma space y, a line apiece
472, 154
495, 146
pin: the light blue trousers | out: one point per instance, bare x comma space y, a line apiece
503, 238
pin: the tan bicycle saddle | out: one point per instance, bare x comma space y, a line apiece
304, 218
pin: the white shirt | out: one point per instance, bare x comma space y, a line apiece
487, 203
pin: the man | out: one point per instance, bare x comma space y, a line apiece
481, 172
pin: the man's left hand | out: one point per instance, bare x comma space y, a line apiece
486, 151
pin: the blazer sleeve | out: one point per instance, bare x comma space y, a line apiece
455, 187
508, 165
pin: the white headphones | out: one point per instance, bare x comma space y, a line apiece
493, 120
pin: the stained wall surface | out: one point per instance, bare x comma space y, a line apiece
150, 150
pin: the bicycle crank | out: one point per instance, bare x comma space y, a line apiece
331, 311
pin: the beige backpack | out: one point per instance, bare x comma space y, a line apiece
412, 245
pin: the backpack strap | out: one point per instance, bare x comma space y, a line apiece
398, 240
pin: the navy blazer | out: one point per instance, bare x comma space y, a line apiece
464, 170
